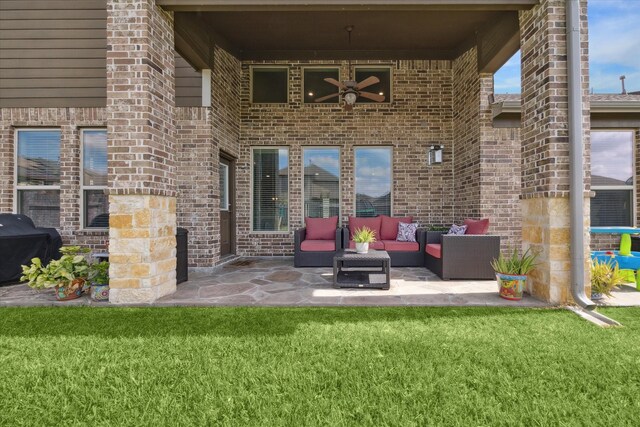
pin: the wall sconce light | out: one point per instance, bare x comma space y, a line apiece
434, 155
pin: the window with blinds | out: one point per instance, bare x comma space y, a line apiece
270, 197
38, 175
321, 182
373, 181
95, 203
612, 178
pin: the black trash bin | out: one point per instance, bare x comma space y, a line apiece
635, 243
182, 255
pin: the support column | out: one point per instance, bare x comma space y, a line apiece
545, 146
141, 139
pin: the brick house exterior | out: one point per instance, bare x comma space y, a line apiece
163, 158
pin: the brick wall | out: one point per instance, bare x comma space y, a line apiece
466, 130
420, 115
70, 121
197, 183
140, 98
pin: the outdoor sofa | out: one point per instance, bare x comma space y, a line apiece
402, 254
317, 243
466, 256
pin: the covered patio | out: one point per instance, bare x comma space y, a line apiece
215, 169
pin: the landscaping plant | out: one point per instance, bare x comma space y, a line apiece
66, 274
515, 264
605, 277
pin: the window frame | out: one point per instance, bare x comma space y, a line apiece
355, 182
319, 67
324, 147
83, 187
17, 187
381, 67
271, 232
272, 67
633, 186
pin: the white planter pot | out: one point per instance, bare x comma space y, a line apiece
362, 248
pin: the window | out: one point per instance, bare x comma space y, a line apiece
95, 203
321, 182
38, 176
382, 88
373, 181
269, 85
315, 87
224, 187
270, 189
612, 178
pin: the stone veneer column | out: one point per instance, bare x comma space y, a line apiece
141, 139
545, 146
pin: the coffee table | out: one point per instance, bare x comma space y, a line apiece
361, 278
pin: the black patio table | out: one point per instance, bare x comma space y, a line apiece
361, 277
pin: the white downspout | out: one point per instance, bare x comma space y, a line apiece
576, 153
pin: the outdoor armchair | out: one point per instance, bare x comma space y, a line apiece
461, 256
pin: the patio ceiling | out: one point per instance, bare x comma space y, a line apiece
315, 30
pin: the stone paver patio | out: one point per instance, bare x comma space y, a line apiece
275, 282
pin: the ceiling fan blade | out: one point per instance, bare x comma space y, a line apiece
372, 96
324, 98
367, 82
335, 83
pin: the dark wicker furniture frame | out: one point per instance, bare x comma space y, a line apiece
463, 257
359, 278
313, 258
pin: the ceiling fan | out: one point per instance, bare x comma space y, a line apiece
350, 90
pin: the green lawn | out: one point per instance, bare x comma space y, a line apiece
317, 366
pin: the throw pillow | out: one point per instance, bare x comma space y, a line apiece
480, 226
321, 228
457, 230
406, 232
359, 222
389, 226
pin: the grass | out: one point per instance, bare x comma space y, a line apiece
317, 366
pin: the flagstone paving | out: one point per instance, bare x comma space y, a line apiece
275, 282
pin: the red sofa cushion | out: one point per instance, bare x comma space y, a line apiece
357, 223
318, 246
375, 245
389, 226
435, 250
480, 226
395, 246
321, 228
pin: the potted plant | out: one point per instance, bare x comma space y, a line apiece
362, 237
605, 277
67, 274
99, 278
512, 271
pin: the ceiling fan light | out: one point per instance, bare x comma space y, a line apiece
350, 98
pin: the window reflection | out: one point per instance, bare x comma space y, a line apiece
321, 182
373, 181
270, 189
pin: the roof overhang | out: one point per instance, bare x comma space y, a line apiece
605, 113
315, 30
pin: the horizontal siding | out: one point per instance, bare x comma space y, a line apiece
188, 84
53, 53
